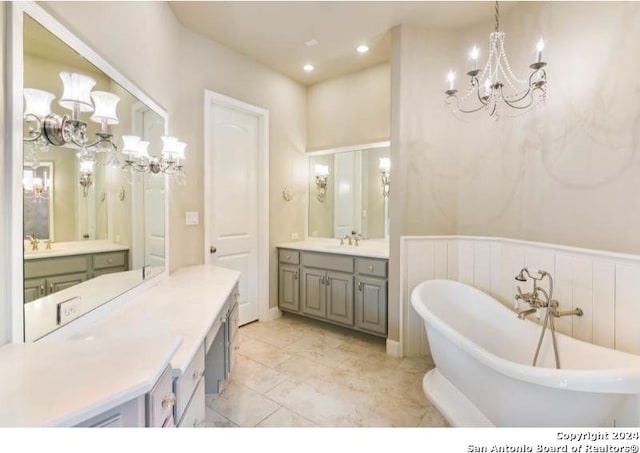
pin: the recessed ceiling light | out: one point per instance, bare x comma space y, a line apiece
308, 67
311, 43
362, 48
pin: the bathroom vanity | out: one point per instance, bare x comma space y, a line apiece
343, 285
67, 264
141, 361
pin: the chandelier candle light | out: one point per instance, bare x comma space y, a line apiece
495, 88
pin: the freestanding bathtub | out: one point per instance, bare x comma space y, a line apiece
483, 374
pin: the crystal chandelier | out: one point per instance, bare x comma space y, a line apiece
34, 186
495, 89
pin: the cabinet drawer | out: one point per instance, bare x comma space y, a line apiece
186, 384
195, 412
377, 268
289, 256
104, 260
160, 401
55, 266
328, 261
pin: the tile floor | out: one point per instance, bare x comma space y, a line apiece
293, 371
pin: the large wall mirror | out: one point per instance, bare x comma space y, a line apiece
93, 227
349, 190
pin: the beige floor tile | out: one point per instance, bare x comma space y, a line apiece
434, 419
302, 369
263, 353
278, 336
415, 364
214, 419
284, 418
243, 406
255, 375
320, 408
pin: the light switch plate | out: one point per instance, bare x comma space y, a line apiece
191, 218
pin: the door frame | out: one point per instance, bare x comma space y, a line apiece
262, 115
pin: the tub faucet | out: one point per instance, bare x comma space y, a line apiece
534, 301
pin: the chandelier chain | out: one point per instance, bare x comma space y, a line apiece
497, 16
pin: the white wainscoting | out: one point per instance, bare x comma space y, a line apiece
606, 286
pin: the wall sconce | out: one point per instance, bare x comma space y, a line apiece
34, 186
322, 176
385, 166
86, 175
138, 158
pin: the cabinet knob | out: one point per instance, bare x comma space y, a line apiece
110, 260
196, 375
42, 290
50, 287
288, 257
168, 401
360, 286
197, 423
370, 268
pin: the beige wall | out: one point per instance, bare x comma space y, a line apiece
567, 174
349, 110
176, 77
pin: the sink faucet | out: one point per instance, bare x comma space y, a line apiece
347, 237
356, 237
34, 241
47, 244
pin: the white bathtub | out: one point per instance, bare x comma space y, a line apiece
484, 377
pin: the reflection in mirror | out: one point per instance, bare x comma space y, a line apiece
349, 191
94, 227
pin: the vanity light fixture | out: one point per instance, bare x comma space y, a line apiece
322, 176
385, 167
170, 162
34, 186
495, 88
86, 175
60, 130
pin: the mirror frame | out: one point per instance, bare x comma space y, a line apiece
15, 12
323, 152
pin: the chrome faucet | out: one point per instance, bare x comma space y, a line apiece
536, 303
34, 241
347, 237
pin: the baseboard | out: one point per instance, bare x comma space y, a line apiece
394, 348
271, 314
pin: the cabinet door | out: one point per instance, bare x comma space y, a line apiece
55, 284
371, 305
34, 288
340, 297
289, 287
314, 292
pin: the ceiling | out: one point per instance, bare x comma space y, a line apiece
274, 33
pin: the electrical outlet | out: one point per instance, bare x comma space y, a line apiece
68, 310
191, 218
294, 236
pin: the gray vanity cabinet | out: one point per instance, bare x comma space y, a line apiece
339, 293
341, 289
289, 287
371, 305
314, 292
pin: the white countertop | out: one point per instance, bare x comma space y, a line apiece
185, 304
71, 248
63, 380
370, 248
65, 383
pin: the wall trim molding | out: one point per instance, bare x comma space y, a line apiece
606, 285
394, 348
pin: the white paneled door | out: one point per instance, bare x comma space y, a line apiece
233, 136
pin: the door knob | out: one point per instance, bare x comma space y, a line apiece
212, 250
